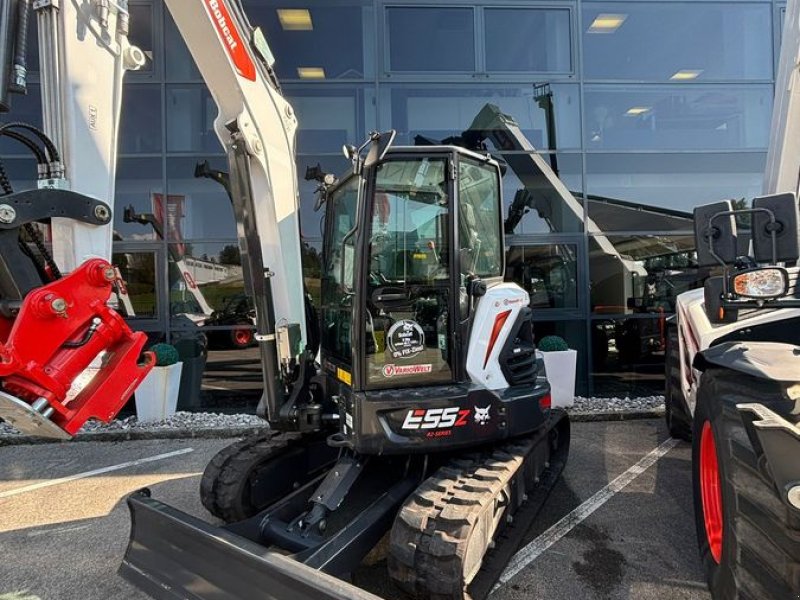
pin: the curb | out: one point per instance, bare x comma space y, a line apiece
130, 435
187, 433
616, 415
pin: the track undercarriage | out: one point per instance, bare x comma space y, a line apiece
292, 495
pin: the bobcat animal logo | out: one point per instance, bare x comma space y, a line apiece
482, 415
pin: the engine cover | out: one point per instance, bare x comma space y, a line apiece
495, 315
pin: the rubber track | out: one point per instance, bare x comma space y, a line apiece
223, 478
431, 534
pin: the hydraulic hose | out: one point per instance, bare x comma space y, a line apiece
5, 183
49, 268
51, 147
35, 149
7, 34
19, 76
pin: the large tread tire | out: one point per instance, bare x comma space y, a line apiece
676, 412
760, 549
226, 483
209, 482
441, 534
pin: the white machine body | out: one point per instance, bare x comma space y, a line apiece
495, 315
245, 96
695, 331
84, 53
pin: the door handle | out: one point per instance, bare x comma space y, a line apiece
389, 295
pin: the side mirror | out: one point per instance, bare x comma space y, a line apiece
715, 238
381, 142
785, 226
349, 151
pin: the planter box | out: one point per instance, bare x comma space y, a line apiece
561, 369
157, 395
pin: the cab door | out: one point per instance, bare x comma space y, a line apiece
337, 281
407, 298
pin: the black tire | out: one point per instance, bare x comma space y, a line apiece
248, 476
676, 411
210, 481
759, 553
718, 564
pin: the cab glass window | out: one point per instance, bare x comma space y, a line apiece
479, 219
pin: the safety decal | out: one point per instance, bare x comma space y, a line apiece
344, 376
406, 339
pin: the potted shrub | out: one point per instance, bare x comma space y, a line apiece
157, 395
560, 363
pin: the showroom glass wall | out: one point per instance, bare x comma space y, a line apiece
644, 109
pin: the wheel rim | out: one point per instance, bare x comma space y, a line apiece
711, 492
242, 336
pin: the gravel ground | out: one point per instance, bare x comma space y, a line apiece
189, 420
601, 405
179, 420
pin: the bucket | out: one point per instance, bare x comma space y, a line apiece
157, 395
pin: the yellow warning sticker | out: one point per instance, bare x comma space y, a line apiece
344, 376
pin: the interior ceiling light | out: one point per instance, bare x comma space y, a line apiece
295, 19
635, 111
311, 72
686, 74
607, 23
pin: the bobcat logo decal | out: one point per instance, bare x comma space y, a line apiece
482, 415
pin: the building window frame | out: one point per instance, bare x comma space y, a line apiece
479, 74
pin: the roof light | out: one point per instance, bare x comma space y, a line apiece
771, 282
311, 72
295, 19
607, 23
686, 74
635, 111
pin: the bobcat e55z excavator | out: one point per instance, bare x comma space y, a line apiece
410, 402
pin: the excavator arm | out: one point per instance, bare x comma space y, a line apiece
65, 356
256, 126
84, 53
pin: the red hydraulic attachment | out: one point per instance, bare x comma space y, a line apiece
60, 329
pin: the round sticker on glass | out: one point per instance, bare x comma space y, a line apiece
406, 339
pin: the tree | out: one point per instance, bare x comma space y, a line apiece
230, 255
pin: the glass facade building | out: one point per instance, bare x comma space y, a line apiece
644, 108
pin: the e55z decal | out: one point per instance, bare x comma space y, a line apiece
436, 418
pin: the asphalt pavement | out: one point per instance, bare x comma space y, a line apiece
62, 538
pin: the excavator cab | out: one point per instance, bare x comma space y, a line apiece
404, 237
412, 241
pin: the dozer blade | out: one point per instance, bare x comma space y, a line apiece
172, 555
